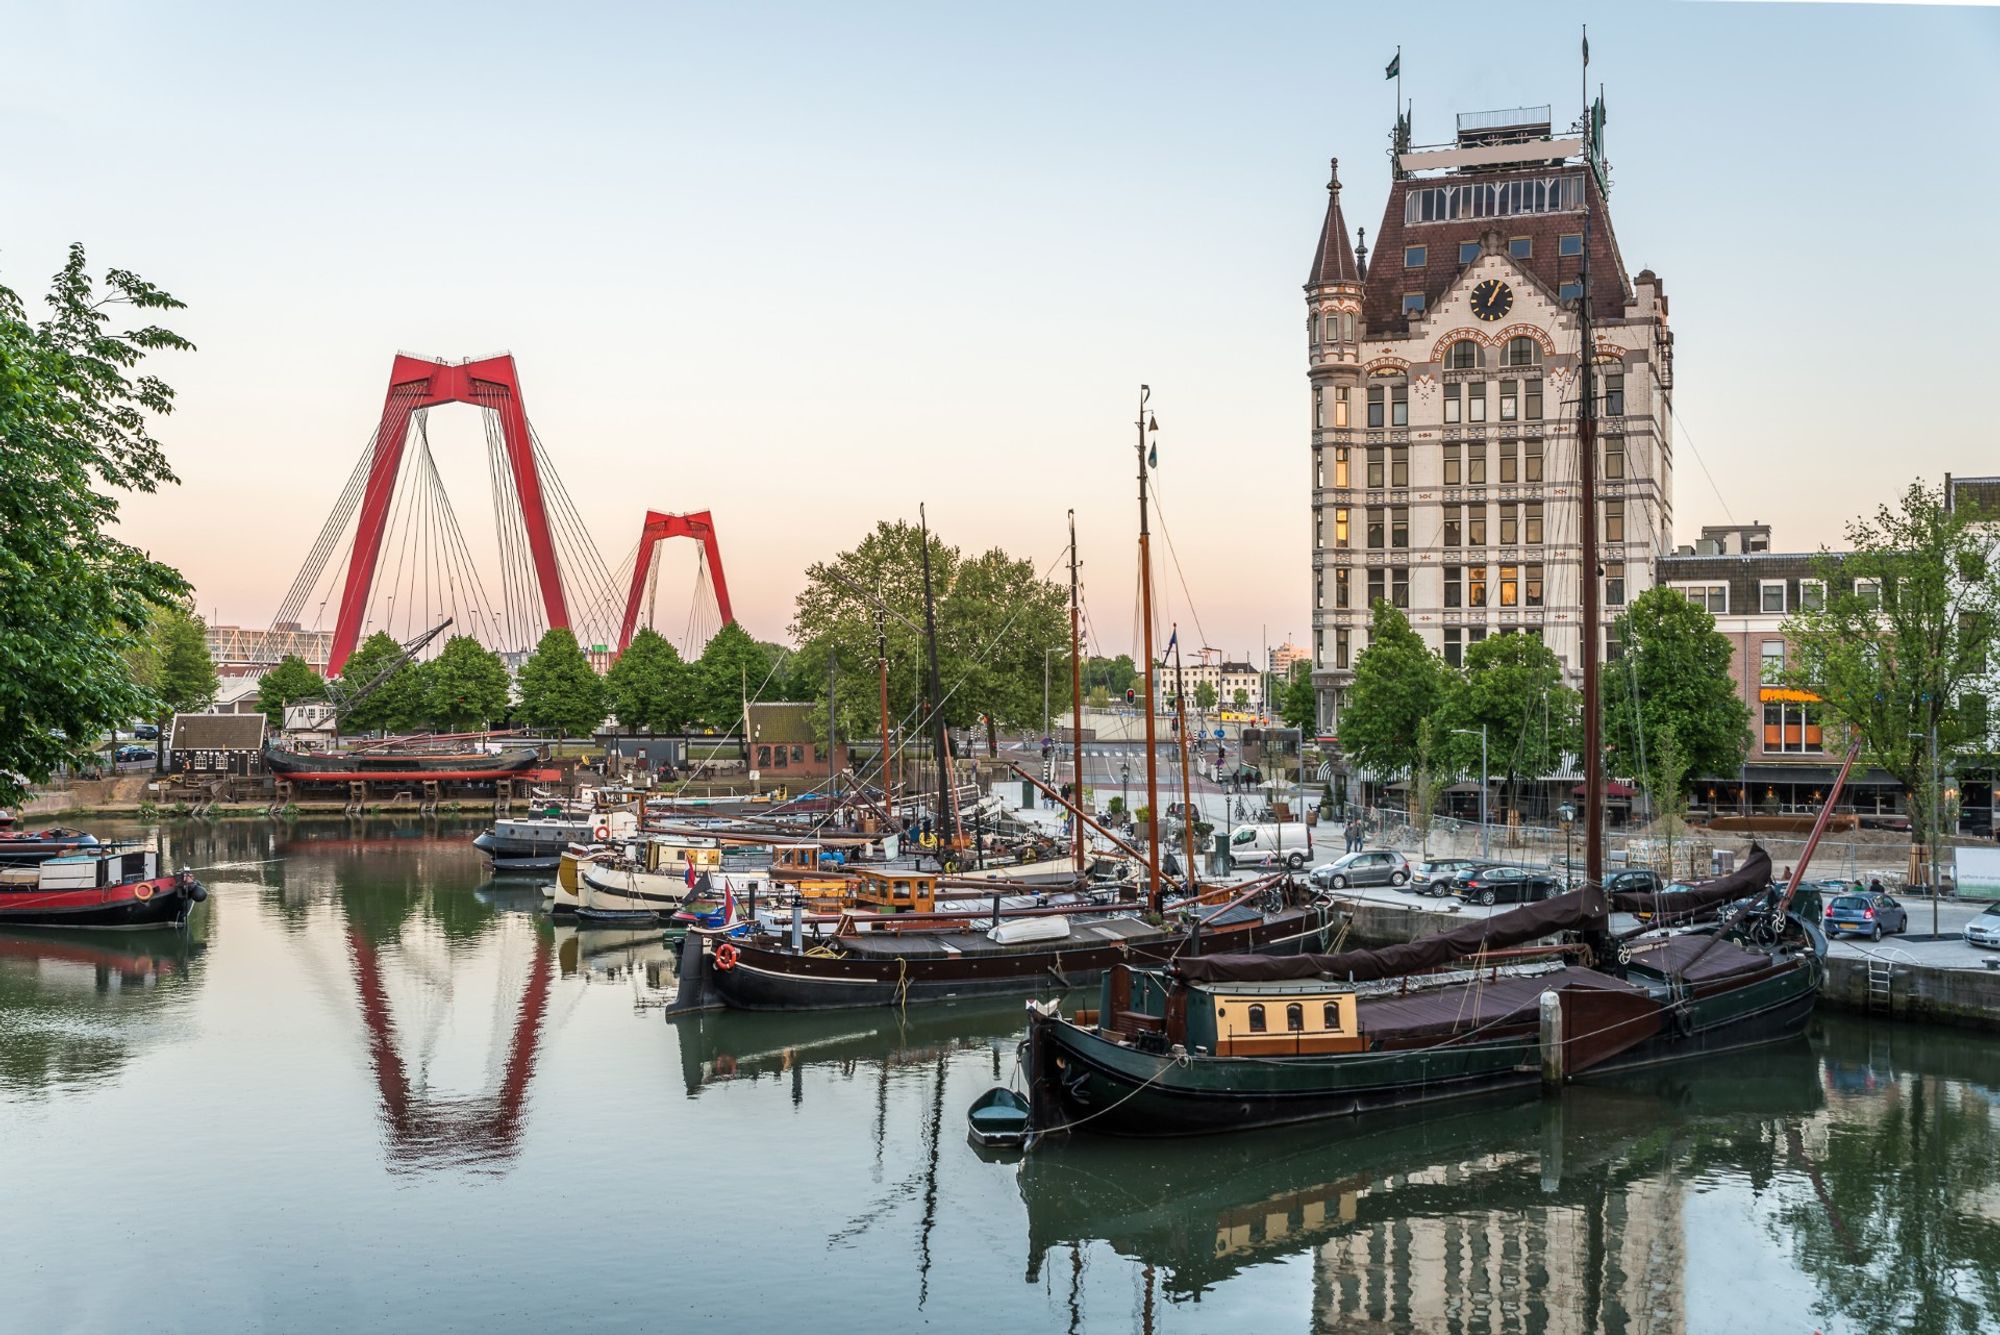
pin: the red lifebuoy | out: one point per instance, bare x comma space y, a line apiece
143, 891
725, 956
602, 832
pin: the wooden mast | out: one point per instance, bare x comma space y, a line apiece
947, 824
1187, 794
882, 684
1075, 693
1154, 897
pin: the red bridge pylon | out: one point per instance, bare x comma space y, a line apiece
657, 527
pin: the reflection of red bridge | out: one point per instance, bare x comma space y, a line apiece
424, 1129
551, 574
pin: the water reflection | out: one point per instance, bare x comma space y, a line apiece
78, 1006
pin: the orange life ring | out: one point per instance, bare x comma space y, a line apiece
602, 832
725, 956
144, 891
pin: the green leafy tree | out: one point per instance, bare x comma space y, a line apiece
650, 687
1398, 683
74, 601
731, 664
1241, 700
465, 686
1113, 675
185, 680
397, 703
291, 682
1299, 706
1906, 651
559, 690
1204, 696
1675, 676
1513, 685
996, 619
1667, 767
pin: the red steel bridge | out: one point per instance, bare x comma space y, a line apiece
393, 550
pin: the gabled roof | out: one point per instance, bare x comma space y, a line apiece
782, 721
1333, 258
216, 732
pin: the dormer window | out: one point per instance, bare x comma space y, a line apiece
1414, 256
1413, 303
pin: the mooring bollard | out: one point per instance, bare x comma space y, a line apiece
1552, 1039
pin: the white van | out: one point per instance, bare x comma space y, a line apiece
1289, 845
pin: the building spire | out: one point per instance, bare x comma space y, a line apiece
1333, 260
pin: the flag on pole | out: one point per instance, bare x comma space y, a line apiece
1153, 456
1586, 46
690, 874
1172, 640
1395, 66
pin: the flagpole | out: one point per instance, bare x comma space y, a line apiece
1584, 83
1399, 87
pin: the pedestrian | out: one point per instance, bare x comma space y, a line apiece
1875, 886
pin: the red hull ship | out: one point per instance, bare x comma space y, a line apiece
101, 890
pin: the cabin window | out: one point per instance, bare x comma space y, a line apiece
1295, 1018
1331, 1015
1257, 1020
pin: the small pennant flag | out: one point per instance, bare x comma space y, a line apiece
1586, 46
1172, 640
690, 875
1395, 67
1153, 457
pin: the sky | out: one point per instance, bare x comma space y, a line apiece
809, 266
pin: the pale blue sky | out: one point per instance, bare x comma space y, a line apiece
807, 265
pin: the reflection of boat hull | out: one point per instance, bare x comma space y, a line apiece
766, 976
1081, 1077
389, 766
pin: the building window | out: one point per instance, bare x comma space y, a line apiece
1614, 521
1510, 462
1453, 464
1791, 727
1614, 396
1399, 466
1454, 532
1256, 1019
1399, 527
1468, 251
1374, 465
1319, 469
1375, 405
1522, 351
1771, 596
1714, 597
1475, 401
1319, 408
1340, 586
1475, 526
1475, 463
1531, 460
1614, 457
1375, 586
1452, 404
1464, 356
1340, 466
1510, 520
1510, 401
1399, 586
1614, 584
1454, 648
1569, 243
1413, 257
1771, 663
1373, 519
1521, 247
1869, 591
1340, 406
1531, 406
1812, 595
1570, 290
1413, 303
1340, 648
1531, 523
1399, 405
1454, 587
1531, 589
1295, 1018
1475, 586
1474, 634
1510, 586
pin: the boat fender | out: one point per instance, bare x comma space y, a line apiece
199, 893
725, 957
1683, 1020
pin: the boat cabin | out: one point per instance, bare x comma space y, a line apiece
895, 892
85, 871
676, 854
1282, 1019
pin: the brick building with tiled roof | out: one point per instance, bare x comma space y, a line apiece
1444, 377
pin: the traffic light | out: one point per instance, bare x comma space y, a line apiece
1130, 695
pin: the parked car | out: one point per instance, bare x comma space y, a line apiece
1985, 929
1638, 879
1371, 866
146, 732
1264, 845
1868, 914
127, 754
1506, 885
1435, 877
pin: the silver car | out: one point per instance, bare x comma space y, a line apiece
1984, 930
1371, 866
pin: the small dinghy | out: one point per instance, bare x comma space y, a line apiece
998, 1119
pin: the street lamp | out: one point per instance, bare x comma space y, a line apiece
1125, 787
1482, 785
1567, 815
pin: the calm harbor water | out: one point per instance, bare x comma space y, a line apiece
373, 1092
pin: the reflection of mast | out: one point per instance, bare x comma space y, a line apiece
930, 1188
480, 1128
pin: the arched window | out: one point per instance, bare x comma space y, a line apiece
1257, 1019
1523, 352
1331, 1015
1464, 356
1295, 1018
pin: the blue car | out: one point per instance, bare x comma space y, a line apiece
1869, 913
